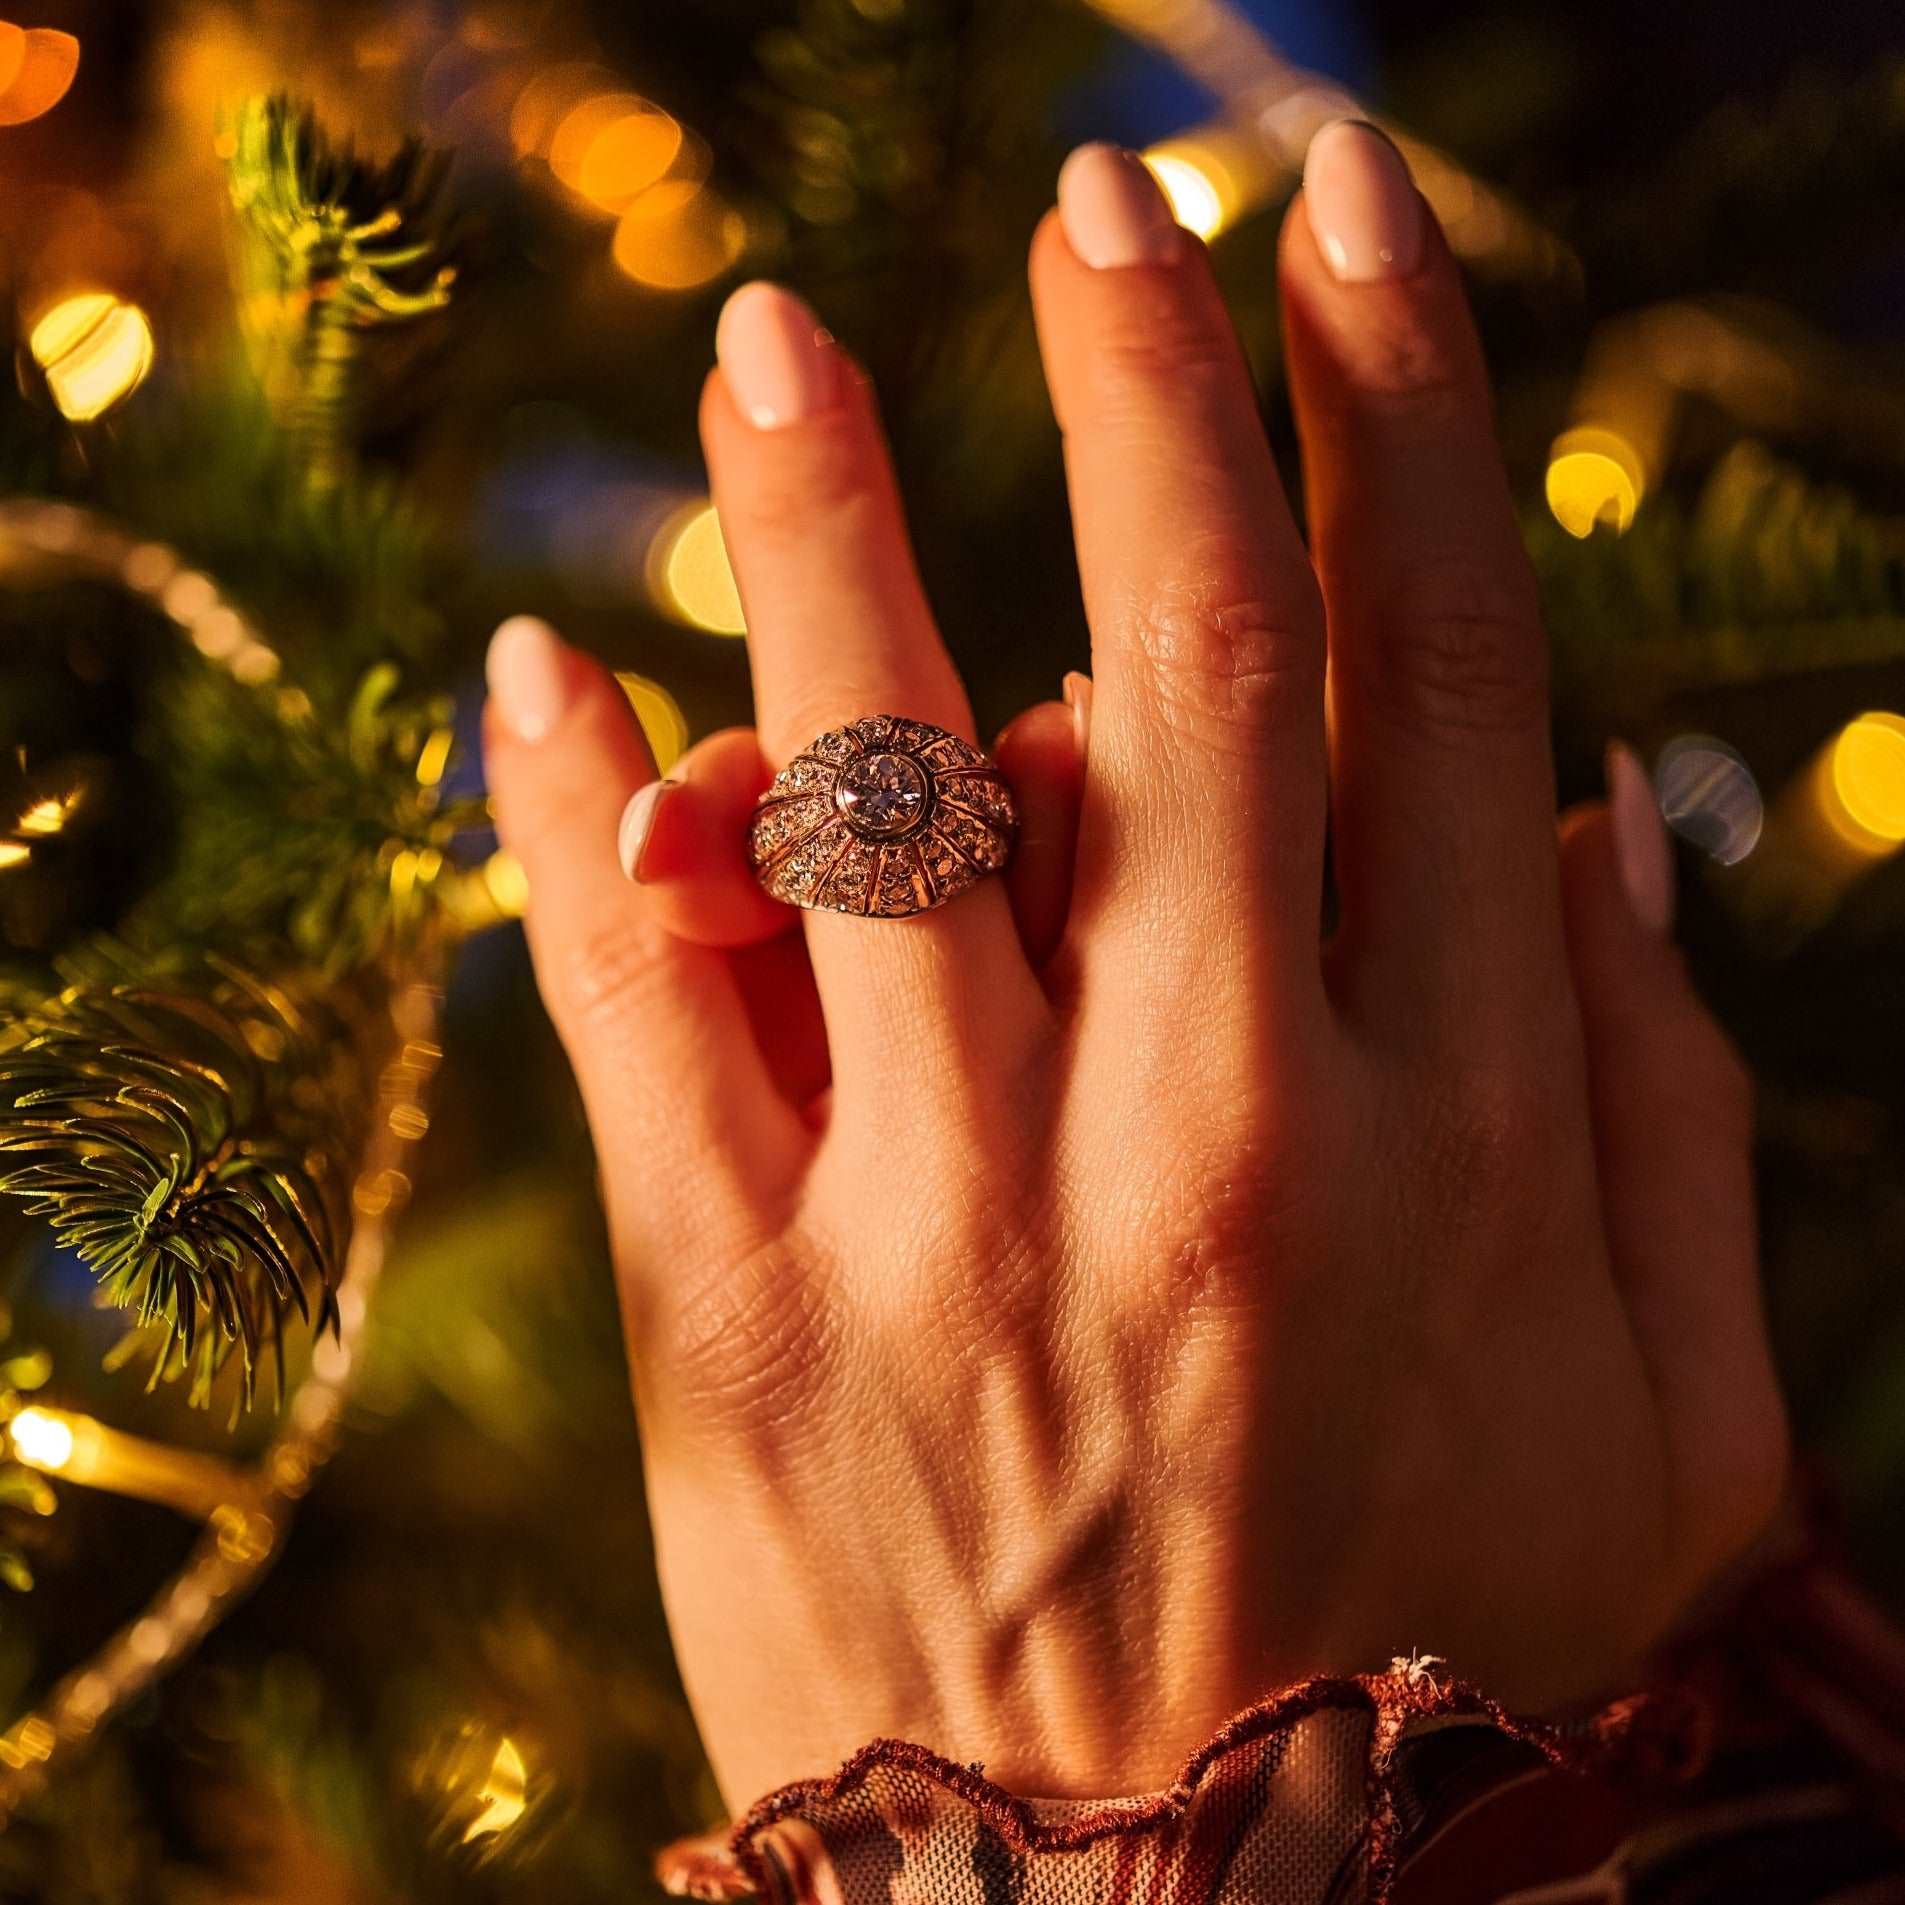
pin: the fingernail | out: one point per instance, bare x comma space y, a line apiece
1077, 692
1362, 203
527, 680
638, 822
1112, 211
780, 364
1641, 849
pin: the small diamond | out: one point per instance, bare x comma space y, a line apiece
881, 794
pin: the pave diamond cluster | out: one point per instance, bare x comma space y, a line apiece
886, 816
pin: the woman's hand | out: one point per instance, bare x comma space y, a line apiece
1042, 1359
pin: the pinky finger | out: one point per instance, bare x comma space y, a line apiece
1041, 753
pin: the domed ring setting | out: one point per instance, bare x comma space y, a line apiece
884, 817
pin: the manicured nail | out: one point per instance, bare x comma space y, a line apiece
1077, 691
1641, 849
780, 364
1112, 210
1362, 203
638, 822
527, 680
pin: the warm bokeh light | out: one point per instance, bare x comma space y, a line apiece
94, 352
662, 720
504, 1793
689, 574
48, 816
547, 100
583, 126
679, 234
630, 153
37, 65
1864, 788
1202, 191
41, 1439
1594, 476
14, 853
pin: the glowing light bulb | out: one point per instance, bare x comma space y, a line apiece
14, 853
1594, 476
689, 573
1864, 788
94, 352
1202, 194
504, 1793
41, 1439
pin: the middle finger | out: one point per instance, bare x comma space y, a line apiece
1206, 788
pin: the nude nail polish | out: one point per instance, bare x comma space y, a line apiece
1642, 852
1112, 210
638, 823
526, 676
779, 362
1077, 692
1362, 204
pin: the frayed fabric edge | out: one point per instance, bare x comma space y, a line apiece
1662, 1736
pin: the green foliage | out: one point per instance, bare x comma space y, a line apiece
329, 838
188, 1142
333, 246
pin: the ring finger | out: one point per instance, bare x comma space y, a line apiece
838, 628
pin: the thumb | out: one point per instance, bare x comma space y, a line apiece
1672, 1108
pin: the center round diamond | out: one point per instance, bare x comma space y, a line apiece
881, 794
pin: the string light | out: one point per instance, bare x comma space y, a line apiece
1863, 787
689, 575
504, 1793
94, 351
1594, 476
1201, 189
41, 1439
37, 65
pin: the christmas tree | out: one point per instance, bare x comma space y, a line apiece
343, 332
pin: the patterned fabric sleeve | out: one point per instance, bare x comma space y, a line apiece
1767, 1764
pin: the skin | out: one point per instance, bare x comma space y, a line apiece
1061, 1318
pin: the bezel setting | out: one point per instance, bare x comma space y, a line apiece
813, 843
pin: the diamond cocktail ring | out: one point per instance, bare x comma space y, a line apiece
885, 817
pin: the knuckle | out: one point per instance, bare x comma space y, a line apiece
828, 473
1405, 362
1163, 348
1228, 652
1485, 1134
1459, 648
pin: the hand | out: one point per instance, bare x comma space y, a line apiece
1044, 1358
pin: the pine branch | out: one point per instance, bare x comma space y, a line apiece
329, 835
334, 246
182, 1137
